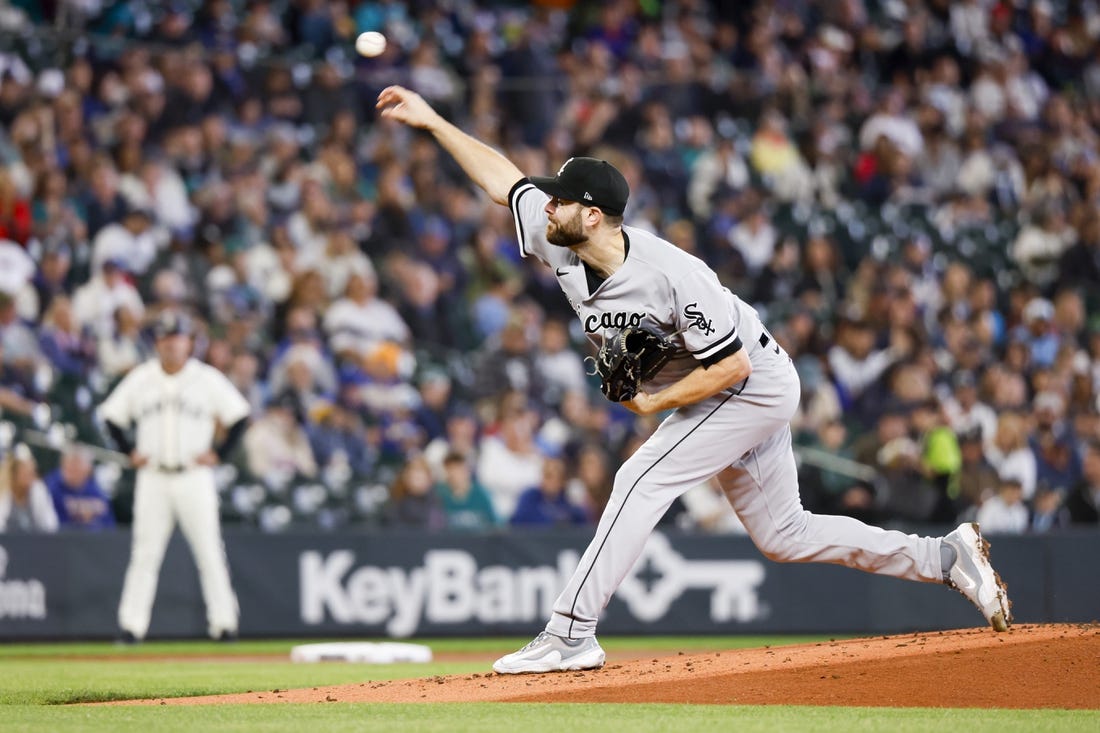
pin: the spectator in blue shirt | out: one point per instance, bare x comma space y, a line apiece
71, 350
546, 504
1038, 332
77, 496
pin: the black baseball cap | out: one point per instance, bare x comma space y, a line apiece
589, 181
172, 323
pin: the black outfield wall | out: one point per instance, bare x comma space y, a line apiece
400, 585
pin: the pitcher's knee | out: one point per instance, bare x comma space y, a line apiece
784, 544
630, 478
775, 550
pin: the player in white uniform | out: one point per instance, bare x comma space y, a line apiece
176, 403
732, 390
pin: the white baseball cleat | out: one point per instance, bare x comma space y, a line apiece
550, 653
974, 577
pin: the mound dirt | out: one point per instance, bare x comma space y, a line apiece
1033, 666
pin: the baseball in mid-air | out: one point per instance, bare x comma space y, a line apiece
370, 43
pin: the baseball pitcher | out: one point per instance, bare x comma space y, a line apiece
731, 389
175, 403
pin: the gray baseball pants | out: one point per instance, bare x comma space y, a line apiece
744, 440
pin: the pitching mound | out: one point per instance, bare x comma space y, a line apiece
1049, 666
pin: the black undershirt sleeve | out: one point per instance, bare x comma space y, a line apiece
118, 435
731, 348
232, 437
517, 184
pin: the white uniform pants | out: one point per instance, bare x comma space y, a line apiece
160, 499
745, 440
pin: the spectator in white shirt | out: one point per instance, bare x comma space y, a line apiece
895, 124
718, 167
1004, 513
361, 320
16, 268
308, 227
987, 92
1010, 455
1040, 245
167, 195
755, 239
340, 259
853, 360
1026, 90
25, 503
509, 462
965, 412
18, 339
276, 446
122, 350
135, 241
969, 23
96, 301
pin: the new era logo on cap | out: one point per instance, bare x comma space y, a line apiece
588, 179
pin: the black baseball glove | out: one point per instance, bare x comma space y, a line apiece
630, 357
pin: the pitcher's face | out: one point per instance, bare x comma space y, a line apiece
564, 227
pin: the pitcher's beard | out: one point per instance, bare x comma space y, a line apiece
567, 235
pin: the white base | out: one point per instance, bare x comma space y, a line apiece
363, 652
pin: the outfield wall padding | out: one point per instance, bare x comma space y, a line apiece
406, 584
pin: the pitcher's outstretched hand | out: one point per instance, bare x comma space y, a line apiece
405, 105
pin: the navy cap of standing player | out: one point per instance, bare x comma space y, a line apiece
171, 323
590, 182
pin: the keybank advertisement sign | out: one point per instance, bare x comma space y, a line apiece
67, 586
452, 587
20, 598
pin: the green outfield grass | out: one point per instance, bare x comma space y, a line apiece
37, 680
531, 718
487, 646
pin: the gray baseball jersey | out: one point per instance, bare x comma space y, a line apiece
741, 435
659, 284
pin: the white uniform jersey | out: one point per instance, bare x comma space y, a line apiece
175, 414
659, 285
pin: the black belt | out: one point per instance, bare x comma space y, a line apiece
169, 469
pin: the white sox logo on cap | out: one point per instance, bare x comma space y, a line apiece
596, 182
587, 195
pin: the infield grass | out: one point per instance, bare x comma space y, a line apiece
537, 718
36, 680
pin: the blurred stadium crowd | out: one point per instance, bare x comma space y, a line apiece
908, 191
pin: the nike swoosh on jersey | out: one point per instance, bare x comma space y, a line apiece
561, 272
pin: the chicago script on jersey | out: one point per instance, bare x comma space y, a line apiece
621, 319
